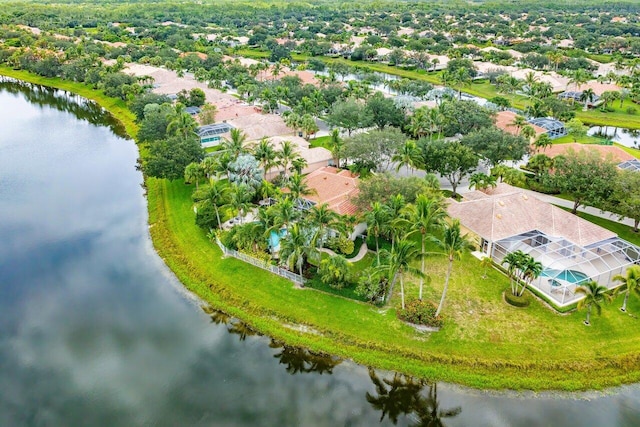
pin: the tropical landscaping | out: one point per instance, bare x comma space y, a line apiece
411, 293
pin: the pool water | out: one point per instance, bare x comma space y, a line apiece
274, 239
571, 276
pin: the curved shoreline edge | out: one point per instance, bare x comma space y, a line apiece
171, 237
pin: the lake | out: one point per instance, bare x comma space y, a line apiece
627, 137
96, 331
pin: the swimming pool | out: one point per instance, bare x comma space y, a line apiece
571, 276
274, 239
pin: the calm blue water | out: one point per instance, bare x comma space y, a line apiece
571, 276
95, 331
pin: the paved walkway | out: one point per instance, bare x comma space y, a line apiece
361, 253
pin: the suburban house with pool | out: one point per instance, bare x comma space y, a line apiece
570, 249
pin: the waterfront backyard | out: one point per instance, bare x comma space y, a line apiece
534, 348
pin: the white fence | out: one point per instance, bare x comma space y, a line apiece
265, 265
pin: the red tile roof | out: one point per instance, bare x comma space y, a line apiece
334, 187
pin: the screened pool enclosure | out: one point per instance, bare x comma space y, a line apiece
568, 265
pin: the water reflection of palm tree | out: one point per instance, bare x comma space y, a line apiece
429, 412
404, 395
299, 360
241, 329
396, 396
218, 317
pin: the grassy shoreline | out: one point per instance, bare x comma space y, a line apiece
592, 359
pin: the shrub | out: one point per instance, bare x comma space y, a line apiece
631, 110
541, 187
421, 313
227, 238
206, 217
517, 301
341, 245
371, 286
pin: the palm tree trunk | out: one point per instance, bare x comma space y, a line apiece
446, 286
402, 289
421, 270
624, 303
588, 314
218, 216
377, 250
393, 281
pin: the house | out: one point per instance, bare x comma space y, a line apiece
316, 157
504, 121
336, 188
571, 250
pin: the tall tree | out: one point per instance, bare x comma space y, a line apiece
349, 115
424, 217
496, 146
584, 176
631, 283
400, 259
377, 219
594, 296
452, 160
453, 243
216, 194
194, 172
625, 201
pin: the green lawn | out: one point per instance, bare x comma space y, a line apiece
321, 141
484, 343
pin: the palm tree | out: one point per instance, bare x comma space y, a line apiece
377, 219
322, 219
594, 296
406, 156
514, 261
284, 213
298, 187
194, 172
424, 216
531, 270
482, 181
528, 132
485, 263
518, 122
397, 225
608, 97
587, 96
235, 145
420, 122
335, 146
216, 194
240, 200
453, 243
265, 155
543, 141
579, 77
460, 78
404, 253
294, 247
631, 282
181, 123
287, 154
